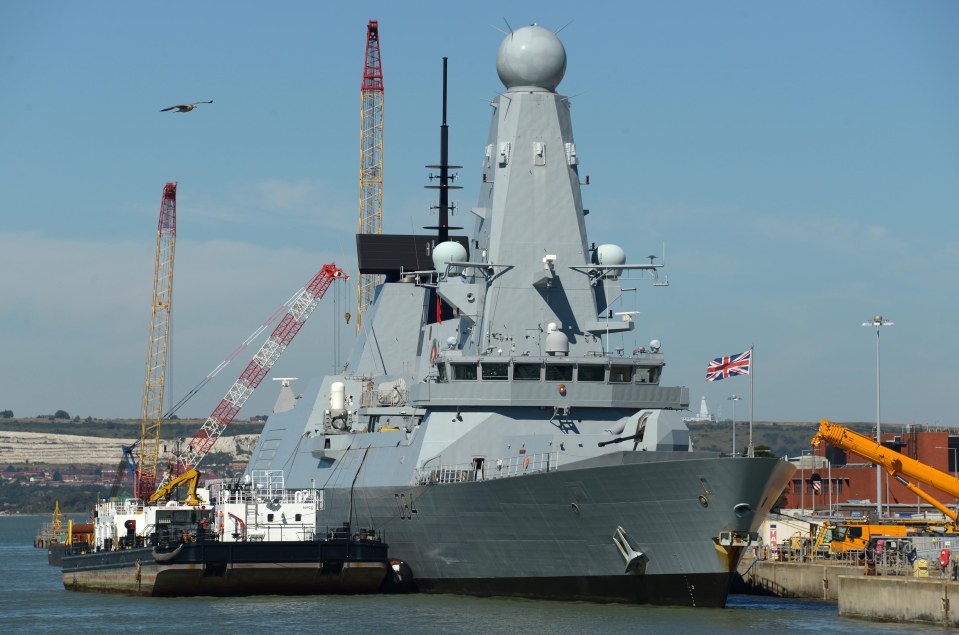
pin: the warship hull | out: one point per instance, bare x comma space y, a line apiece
231, 569
552, 535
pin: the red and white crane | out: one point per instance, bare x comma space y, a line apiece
154, 386
301, 307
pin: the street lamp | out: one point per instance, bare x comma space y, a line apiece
878, 321
802, 465
734, 399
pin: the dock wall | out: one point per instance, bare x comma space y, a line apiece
814, 581
892, 599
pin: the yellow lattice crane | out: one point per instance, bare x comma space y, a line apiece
371, 160
146, 472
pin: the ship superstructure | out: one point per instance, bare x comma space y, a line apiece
482, 422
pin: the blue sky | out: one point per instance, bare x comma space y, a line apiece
799, 161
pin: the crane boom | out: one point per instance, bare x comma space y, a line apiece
371, 160
899, 466
300, 310
155, 384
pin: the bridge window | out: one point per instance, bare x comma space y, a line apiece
464, 371
559, 372
646, 375
591, 372
495, 371
620, 374
526, 372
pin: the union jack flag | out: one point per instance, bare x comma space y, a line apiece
723, 367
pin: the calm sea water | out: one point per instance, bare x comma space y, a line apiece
33, 600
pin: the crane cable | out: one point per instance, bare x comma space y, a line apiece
269, 321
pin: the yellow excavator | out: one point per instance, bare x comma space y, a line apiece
900, 467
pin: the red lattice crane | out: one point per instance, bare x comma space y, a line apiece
371, 160
146, 472
300, 310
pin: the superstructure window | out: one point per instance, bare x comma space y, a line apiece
465, 372
559, 372
591, 372
620, 374
495, 371
526, 372
643, 375
441, 372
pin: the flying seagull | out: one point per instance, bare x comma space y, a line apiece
186, 107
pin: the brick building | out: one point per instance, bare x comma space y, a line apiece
850, 478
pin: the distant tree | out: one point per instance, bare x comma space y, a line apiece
173, 417
6, 414
61, 414
760, 451
77, 418
57, 476
88, 420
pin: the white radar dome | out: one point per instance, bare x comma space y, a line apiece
337, 396
531, 58
445, 253
610, 256
557, 343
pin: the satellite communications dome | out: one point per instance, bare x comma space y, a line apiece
531, 58
444, 253
610, 256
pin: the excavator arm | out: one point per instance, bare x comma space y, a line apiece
191, 478
899, 466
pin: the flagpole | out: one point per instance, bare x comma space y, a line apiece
752, 370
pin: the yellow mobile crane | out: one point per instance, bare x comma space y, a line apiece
900, 467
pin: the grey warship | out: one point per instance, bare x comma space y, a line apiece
482, 424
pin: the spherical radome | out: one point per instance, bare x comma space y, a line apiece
531, 58
449, 251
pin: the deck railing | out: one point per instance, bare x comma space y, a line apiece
486, 470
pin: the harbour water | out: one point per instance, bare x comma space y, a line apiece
34, 601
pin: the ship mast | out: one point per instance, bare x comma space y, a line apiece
445, 178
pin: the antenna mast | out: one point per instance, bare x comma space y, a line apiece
445, 178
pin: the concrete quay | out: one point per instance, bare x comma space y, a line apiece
898, 599
883, 598
805, 580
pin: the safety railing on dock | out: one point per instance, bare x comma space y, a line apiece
482, 470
